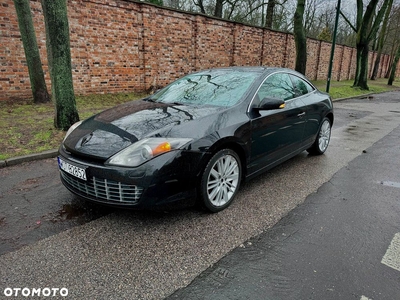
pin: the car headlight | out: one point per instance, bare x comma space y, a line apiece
146, 149
72, 128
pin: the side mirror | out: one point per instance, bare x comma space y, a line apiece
270, 104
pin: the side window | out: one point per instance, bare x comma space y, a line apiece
301, 87
277, 86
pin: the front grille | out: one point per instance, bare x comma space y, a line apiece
103, 189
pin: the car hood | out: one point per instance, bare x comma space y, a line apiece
108, 132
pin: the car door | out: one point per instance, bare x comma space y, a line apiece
313, 107
278, 133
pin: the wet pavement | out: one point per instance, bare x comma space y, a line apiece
113, 254
333, 246
34, 205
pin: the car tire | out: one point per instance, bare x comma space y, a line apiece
220, 180
323, 138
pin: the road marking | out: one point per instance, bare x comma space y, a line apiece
391, 183
392, 255
364, 298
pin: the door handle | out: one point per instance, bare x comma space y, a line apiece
301, 114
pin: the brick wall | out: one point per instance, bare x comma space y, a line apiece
122, 45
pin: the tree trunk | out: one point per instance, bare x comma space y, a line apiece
361, 77
270, 13
367, 26
300, 38
381, 40
218, 8
394, 67
32, 55
387, 74
59, 57
200, 4
376, 65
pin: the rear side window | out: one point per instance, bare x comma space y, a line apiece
301, 87
277, 86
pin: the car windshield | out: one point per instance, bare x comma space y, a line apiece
219, 88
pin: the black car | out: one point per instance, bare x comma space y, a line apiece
197, 138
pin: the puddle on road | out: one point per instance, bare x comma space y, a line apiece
344, 116
79, 212
35, 205
69, 212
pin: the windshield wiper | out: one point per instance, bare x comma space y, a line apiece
148, 99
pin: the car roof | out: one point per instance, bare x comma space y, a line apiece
256, 69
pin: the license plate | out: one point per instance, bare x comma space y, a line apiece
71, 169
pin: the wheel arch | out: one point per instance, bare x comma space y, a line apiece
215, 153
228, 143
330, 117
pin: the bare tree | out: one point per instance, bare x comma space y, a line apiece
300, 37
367, 24
219, 5
319, 20
59, 57
394, 67
283, 17
270, 13
200, 4
381, 40
32, 55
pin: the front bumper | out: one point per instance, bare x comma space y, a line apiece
166, 179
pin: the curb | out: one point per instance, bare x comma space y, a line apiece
27, 158
364, 96
356, 97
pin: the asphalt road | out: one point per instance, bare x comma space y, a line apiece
112, 254
343, 242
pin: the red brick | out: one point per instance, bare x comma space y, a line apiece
121, 45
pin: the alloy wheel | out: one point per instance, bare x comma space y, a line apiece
223, 180
324, 135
